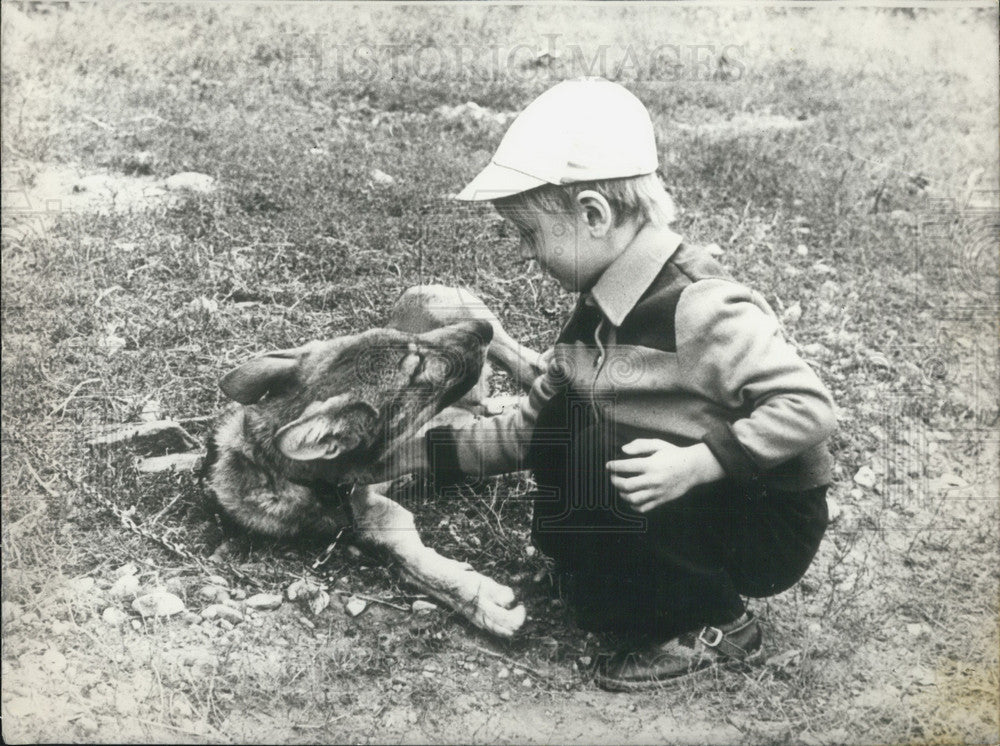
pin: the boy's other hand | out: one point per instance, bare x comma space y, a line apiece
661, 472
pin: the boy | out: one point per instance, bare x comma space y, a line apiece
678, 442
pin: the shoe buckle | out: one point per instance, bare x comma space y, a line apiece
716, 636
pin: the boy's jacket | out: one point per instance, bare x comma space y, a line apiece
667, 345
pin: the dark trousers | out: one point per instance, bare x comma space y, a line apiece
678, 567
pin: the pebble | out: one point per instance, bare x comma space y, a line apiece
221, 611
214, 593
10, 611
87, 724
303, 588
355, 606
420, 605
238, 593
381, 177
53, 661
802, 250
503, 673
504, 696
226, 625
190, 181
136, 625
865, 477
217, 580
158, 604
82, 585
129, 568
125, 587
113, 616
265, 601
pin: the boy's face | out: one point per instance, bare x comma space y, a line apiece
564, 247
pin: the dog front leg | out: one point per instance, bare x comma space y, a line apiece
388, 525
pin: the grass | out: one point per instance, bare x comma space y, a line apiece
895, 624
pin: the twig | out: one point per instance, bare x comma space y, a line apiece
376, 600
51, 492
506, 659
72, 393
99, 123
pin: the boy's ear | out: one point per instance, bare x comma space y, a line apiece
598, 213
327, 429
249, 382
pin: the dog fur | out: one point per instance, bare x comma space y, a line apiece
321, 425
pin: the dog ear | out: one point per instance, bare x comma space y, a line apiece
326, 429
248, 383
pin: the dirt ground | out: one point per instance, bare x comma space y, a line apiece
187, 190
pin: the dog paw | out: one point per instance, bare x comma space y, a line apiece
494, 608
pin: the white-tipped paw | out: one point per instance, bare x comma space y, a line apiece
493, 607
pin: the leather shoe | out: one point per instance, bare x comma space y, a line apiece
651, 665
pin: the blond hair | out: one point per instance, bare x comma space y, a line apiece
634, 198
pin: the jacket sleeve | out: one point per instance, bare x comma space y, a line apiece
730, 349
489, 445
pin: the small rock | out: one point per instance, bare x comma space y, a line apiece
802, 250
217, 580
222, 611
823, 269
129, 568
82, 586
792, 314
503, 673
87, 724
355, 606
10, 611
781, 660
420, 605
127, 586
530, 551
527, 684
304, 589
152, 411
865, 477
59, 628
179, 462
190, 181
381, 177
238, 594
114, 617
714, 249
264, 601
158, 604
226, 624
53, 661
505, 695
319, 602
213, 594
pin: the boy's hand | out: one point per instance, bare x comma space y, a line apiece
661, 472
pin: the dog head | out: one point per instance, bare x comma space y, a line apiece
348, 402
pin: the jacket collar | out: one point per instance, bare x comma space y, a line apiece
627, 278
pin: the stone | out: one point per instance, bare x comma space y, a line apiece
420, 605
264, 601
190, 181
214, 594
10, 611
355, 606
221, 611
127, 586
158, 604
178, 462
382, 178
865, 477
304, 589
53, 661
129, 568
